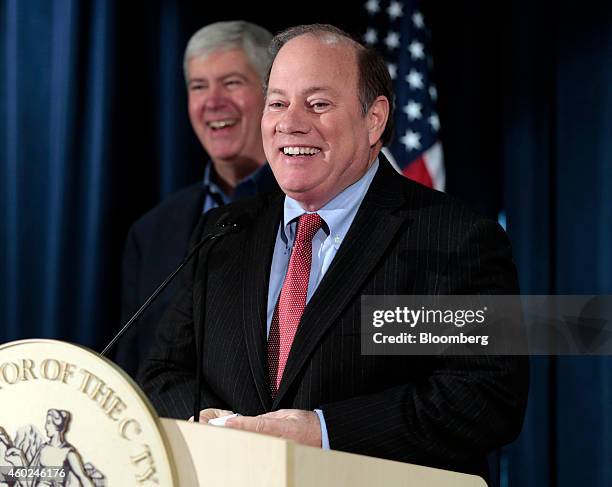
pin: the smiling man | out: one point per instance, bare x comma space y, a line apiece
318, 139
225, 64
282, 324
225, 106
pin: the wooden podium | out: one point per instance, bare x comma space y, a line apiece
215, 456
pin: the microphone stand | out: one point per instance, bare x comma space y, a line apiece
225, 229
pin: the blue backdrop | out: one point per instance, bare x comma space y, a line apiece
94, 132
557, 146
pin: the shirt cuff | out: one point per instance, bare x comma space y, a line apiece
324, 436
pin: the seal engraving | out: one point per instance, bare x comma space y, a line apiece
99, 429
53, 453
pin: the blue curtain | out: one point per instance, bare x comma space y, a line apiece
94, 132
558, 184
53, 203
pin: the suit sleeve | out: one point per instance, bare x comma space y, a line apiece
466, 406
168, 374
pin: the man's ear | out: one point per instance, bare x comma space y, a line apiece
377, 119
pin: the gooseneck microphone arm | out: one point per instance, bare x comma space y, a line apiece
225, 227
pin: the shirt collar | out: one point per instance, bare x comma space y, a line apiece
212, 187
337, 214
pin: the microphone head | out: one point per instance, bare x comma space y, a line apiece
224, 220
232, 223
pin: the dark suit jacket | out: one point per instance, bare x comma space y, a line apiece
442, 411
155, 246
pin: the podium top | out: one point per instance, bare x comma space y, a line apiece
210, 455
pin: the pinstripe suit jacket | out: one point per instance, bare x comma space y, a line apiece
445, 412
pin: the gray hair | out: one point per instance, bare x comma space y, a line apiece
235, 34
373, 76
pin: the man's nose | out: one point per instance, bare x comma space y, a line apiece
293, 120
215, 98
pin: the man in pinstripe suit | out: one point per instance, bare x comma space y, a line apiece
327, 114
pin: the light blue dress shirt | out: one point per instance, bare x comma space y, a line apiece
337, 215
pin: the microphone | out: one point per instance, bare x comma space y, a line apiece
225, 225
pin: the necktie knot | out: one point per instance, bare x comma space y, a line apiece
308, 225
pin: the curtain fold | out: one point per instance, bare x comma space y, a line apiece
10, 188
96, 175
63, 58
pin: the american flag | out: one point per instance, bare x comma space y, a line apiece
397, 30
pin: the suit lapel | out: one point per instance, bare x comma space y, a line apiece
376, 224
257, 251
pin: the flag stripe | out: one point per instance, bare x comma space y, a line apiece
398, 30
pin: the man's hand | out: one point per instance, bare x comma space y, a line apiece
211, 413
292, 424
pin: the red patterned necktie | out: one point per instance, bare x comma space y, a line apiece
292, 299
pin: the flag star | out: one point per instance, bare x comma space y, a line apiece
371, 37
372, 6
395, 10
434, 121
392, 70
415, 79
411, 140
433, 93
413, 110
392, 40
417, 20
416, 50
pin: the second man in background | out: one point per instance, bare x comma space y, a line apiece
225, 64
